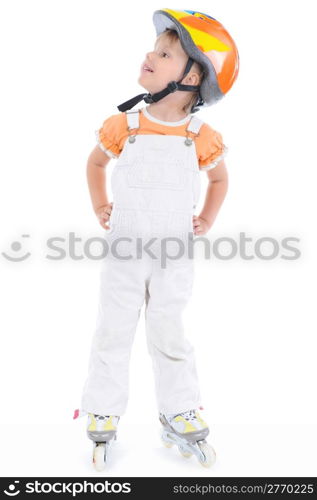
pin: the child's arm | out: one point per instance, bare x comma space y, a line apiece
216, 192
96, 177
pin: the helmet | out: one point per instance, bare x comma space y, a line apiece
206, 41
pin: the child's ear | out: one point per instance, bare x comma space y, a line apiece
192, 79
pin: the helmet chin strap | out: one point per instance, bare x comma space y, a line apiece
171, 87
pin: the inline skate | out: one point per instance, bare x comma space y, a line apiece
188, 431
102, 430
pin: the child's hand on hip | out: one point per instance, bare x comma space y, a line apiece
103, 213
200, 225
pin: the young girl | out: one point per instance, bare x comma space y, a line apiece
161, 149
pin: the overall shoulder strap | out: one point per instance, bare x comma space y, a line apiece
133, 118
194, 125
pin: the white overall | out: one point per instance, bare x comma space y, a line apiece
156, 186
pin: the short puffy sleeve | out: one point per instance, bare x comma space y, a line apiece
108, 136
210, 148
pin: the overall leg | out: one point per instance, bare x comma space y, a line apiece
176, 379
122, 294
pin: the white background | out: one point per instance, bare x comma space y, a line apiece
65, 67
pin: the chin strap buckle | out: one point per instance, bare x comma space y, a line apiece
172, 86
148, 98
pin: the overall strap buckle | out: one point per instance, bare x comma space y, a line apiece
133, 123
193, 127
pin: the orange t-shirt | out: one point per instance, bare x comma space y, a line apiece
113, 134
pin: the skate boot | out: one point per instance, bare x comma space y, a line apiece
188, 431
102, 429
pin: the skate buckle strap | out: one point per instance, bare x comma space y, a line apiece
79, 413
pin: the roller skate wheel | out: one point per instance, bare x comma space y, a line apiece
167, 444
184, 452
99, 456
209, 454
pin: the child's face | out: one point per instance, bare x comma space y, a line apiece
167, 60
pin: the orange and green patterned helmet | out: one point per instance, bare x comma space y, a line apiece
207, 42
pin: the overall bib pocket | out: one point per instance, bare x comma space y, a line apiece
156, 168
